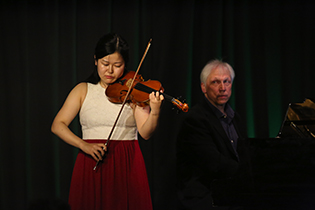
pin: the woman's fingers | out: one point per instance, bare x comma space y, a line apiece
96, 150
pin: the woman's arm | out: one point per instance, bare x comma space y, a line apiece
147, 117
66, 114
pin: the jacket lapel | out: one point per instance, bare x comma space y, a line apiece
217, 125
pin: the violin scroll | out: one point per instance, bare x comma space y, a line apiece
180, 105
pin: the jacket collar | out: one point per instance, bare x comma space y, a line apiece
215, 115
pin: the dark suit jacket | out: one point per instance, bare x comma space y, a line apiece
204, 151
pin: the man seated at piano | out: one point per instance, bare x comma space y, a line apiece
209, 140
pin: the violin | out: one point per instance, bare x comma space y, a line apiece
139, 93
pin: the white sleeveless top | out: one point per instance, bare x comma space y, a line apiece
98, 115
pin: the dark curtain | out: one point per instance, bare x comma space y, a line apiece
47, 48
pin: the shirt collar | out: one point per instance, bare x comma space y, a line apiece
228, 110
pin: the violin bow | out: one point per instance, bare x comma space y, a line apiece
125, 99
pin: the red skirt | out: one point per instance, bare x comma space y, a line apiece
119, 182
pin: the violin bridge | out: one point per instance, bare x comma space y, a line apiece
128, 83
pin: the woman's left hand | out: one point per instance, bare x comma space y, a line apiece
147, 116
155, 102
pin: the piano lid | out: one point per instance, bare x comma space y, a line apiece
299, 121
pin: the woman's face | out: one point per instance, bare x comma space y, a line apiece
110, 68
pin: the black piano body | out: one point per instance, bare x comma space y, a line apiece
281, 170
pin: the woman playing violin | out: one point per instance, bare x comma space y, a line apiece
120, 181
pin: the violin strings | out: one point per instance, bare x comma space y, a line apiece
147, 89
177, 103
143, 88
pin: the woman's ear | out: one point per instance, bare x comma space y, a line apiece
95, 61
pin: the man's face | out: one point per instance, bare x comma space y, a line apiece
218, 87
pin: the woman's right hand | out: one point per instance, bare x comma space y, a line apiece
96, 150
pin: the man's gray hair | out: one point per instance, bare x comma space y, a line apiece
213, 64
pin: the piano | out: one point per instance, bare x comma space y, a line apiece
299, 121
281, 170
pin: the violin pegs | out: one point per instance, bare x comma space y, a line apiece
174, 107
184, 100
179, 98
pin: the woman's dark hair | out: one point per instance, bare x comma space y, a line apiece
109, 44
